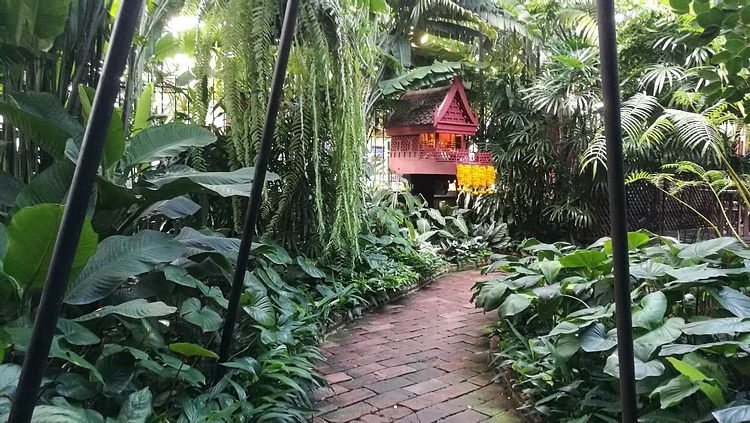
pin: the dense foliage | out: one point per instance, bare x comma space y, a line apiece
690, 312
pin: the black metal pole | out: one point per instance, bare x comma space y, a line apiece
50, 304
261, 165
617, 205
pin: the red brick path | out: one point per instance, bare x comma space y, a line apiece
421, 359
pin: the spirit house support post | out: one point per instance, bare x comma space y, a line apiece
617, 206
81, 186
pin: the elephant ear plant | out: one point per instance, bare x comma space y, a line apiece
691, 322
141, 174
136, 335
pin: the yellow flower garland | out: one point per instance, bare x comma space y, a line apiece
475, 179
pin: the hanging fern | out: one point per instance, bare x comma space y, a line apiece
321, 129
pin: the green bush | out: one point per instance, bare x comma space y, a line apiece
691, 323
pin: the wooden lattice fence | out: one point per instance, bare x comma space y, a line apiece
651, 209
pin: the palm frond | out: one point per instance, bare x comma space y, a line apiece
661, 76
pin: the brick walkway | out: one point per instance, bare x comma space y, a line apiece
421, 359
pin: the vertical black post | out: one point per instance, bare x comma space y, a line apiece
261, 165
50, 304
617, 205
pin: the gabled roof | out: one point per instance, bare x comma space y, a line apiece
419, 107
440, 109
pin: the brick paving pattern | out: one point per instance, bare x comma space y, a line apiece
421, 359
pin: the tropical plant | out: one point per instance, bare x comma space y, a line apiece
688, 318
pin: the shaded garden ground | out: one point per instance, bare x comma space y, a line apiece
421, 359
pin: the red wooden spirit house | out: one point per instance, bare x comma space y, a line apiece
428, 141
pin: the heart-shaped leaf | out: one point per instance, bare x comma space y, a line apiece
650, 311
205, 317
596, 338
514, 304
704, 249
308, 267
117, 370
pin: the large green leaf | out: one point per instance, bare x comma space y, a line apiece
666, 333
696, 376
164, 141
723, 347
514, 304
180, 180
737, 414
205, 317
143, 109
697, 273
42, 118
583, 258
727, 325
422, 76
32, 24
258, 306
675, 391
63, 414
191, 350
198, 242
118, 258
649, 270
567, 345
308, 267
491, 295
137, 408
596, 338
75, 359
643, 369
50, 186
705, 249
650, 311
77, 334
117, 370
9, 189
176, 208
550, 269
9, 374
31, 239
135, 309
114, 145
635, 241
732, 300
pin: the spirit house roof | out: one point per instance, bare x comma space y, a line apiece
434, 110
